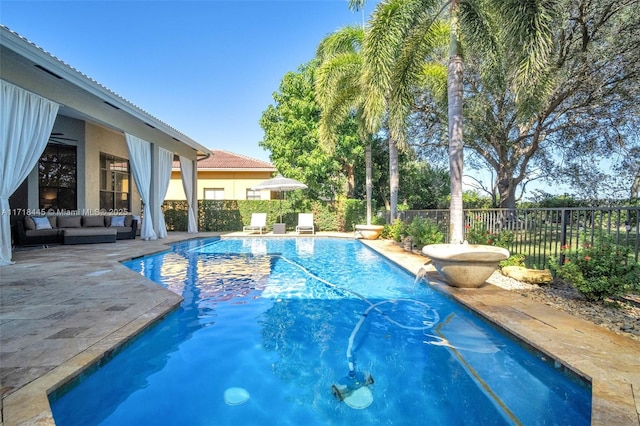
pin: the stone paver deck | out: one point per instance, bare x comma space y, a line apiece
66, 307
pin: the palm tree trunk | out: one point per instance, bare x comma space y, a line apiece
394, 179
369, 180
456, 159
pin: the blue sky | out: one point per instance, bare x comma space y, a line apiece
207, 68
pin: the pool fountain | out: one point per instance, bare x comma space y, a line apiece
465, 265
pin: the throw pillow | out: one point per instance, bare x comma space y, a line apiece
92, 221
69, 222
29, 224
41, 222
117, 221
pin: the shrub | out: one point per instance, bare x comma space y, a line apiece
598, 271
513, 260
424, 231
377, 220
478, 234
395, 231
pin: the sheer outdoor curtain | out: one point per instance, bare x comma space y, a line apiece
26, 121
186, 169
140, 156
165, 164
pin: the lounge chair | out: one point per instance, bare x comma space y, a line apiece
305, 223
258, 223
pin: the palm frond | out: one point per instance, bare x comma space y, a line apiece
390, 23
428, 40
346, 40
337, 82
528, 30
433, 77
336, 75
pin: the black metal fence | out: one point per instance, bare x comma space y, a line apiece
541, 233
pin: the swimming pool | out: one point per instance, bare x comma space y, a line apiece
263, 335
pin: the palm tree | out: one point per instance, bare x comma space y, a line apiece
340, 94
398, 43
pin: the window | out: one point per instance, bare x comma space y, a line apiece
214, 193
253, 195
57, 174
115, 189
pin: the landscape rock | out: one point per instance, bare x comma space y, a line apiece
532, 276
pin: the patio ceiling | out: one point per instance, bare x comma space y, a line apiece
26, 65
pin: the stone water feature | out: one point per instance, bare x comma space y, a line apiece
368, 232
465, 265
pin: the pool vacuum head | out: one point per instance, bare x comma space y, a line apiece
354, 381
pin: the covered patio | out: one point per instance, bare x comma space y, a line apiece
69, 144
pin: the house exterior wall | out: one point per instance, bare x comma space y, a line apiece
90, 140
102, 140
234, 183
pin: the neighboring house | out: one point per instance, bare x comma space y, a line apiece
78, 152
225, 176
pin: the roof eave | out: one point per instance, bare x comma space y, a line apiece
231, 169
38, 55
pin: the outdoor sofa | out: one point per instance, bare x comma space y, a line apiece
73, 229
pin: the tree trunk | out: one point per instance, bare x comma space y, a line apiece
635, 187
369, 180
507, 192
351, 180
456, 158
394, 179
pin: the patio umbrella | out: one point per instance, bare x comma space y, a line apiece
280, 184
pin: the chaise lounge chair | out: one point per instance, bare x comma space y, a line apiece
305, 223
258, 223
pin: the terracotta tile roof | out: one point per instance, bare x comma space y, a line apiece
225, 160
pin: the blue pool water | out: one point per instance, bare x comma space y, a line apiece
274, 318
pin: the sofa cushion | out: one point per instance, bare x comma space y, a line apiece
89, 232
42, 233
41, 222
92, 221
69, 222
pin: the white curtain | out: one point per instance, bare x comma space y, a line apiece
165, 164
26, 120
186, 168
140, 156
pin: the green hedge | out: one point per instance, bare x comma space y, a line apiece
232, 215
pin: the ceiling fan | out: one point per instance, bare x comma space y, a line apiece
59, 139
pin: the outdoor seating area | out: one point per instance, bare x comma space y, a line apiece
73, 229
259, 224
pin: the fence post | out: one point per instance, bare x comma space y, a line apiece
563, 236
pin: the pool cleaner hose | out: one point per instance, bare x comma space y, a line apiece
355, 380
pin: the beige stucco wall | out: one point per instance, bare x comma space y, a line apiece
100, 139
234, 183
